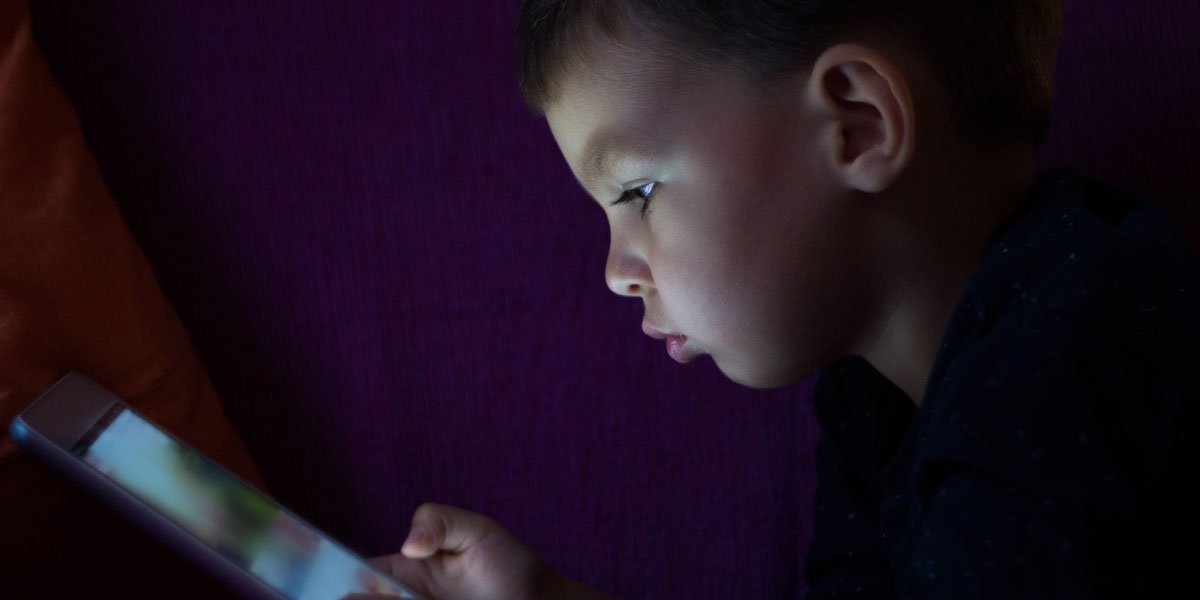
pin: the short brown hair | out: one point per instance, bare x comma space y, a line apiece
996, 57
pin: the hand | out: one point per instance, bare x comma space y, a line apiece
453, 554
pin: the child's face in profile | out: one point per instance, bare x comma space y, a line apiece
744, 249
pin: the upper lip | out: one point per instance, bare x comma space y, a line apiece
655, 332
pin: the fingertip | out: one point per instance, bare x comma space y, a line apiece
416, 553
420, 543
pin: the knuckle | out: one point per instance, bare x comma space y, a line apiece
487, 524
428, 515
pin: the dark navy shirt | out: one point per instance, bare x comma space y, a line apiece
1050, 455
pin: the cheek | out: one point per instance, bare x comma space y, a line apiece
707, 293
766, 281
714, 271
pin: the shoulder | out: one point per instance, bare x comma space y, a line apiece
1087, 272
1075, 339
1086, 249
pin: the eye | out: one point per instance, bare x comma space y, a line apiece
642, 193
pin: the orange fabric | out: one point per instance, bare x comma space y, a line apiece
77, 293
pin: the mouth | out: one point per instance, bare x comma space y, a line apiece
676, 343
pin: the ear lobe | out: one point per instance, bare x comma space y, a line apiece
872, 125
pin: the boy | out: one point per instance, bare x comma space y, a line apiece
848, 186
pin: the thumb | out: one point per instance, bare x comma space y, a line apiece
440, 528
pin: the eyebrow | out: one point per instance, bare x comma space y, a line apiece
598, 155
602, 150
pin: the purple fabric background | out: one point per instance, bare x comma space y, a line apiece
397, 286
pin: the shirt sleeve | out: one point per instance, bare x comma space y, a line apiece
845, 558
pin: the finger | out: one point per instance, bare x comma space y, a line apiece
416, 575
437, 527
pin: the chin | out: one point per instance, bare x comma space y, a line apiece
762, 378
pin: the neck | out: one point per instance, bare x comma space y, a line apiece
933, 230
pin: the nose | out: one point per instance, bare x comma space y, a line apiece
627, 273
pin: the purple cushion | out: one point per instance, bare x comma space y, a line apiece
397, 288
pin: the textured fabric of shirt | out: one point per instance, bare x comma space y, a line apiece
1046, 459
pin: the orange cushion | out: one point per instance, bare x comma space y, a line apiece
77, 293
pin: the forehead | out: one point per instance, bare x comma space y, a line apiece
622, 98
605, 94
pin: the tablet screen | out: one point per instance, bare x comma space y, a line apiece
234, 519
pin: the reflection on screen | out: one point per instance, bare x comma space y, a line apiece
229, 516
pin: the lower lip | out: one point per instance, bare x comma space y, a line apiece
675, 347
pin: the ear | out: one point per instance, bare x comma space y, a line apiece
869, 122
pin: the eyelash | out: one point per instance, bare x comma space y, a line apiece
643, 192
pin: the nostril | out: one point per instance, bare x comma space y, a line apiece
634, 288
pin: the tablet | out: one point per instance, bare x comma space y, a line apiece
187, 501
